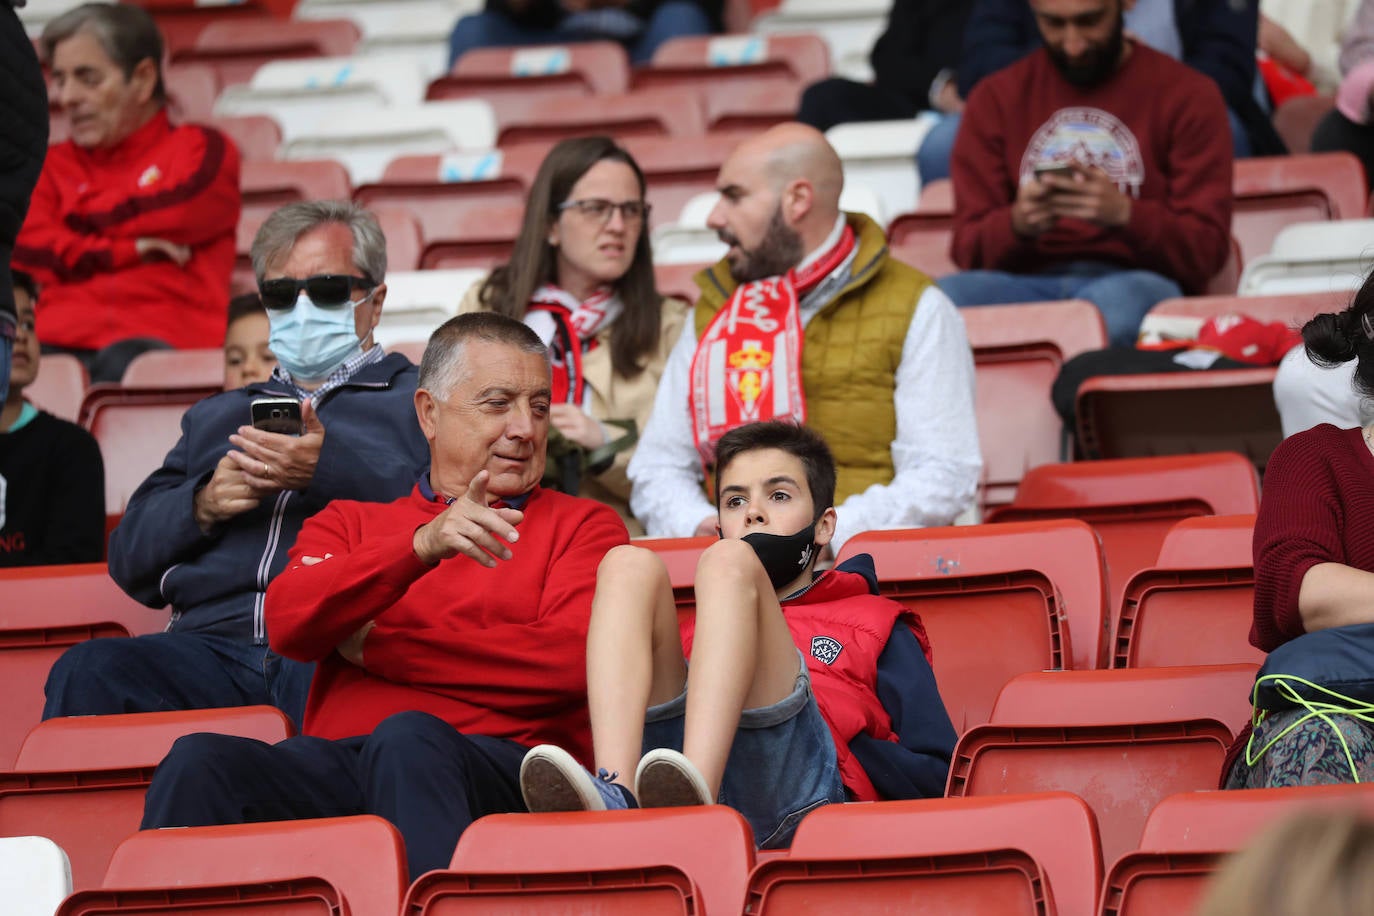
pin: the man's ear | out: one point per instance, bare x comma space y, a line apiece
798, 199
426, 408
825, 527
144, 80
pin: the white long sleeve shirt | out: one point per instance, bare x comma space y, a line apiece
935, 454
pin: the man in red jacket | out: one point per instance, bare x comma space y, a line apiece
131, 228
1093, 168
448, 626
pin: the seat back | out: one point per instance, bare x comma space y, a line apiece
236, 49
1133, 502
922, 240
139, 739
1018, 351
60, 386
474, 238
256, 136
712, 61
200, 368
418, 301
267, 185
676, 169
1293, 310
649, 860
879, 154
1029, 854
1039, 586
35, 875
648, 113
45, 610
1220, 692
1121, 770
581, 69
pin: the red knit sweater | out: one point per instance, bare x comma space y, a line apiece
1156, 126
498, 652
89, 209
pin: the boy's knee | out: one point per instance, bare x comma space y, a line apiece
729, 558
628, 560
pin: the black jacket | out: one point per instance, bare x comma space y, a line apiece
23, 137
922, 38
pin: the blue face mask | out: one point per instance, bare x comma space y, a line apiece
311, 342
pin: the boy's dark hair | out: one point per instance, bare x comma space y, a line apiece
806, 445
247, 304
25, 282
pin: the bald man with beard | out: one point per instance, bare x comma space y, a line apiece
808, 317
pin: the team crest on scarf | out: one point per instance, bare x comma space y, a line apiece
826, 649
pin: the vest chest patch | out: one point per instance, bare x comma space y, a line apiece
826, 648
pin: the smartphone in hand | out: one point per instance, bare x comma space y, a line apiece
1060, 170
277, 415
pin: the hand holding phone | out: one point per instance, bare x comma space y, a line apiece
1058, 170
277, 415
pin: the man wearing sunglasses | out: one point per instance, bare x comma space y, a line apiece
209, 529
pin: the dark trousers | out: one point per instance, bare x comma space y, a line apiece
415, 770
1336, 132
163, 671
840, 101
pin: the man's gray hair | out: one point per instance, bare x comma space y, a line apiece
126, 33
442, 365
280, 232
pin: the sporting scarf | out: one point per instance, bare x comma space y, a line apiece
747, 365
569, 328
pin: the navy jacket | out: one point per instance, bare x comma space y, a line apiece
373, 450
1218, 40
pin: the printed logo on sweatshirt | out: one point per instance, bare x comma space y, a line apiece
826, 649
151, 176
1088, 136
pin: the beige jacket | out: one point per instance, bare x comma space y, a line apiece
615, 397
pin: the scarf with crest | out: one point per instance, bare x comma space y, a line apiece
569, 328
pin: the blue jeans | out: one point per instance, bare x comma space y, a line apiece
1122, 296
781, 766
415, 770
163, 671
673, 19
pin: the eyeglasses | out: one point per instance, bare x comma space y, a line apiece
598, 210
328, 291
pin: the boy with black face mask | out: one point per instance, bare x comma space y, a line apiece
804, 688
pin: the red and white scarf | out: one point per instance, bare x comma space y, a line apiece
569, 328
747, 365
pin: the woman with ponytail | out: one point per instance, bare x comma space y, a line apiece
1314, 587
582, 276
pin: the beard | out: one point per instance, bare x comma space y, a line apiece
1097, 64
778, 252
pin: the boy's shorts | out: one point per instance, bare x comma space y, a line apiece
782, 764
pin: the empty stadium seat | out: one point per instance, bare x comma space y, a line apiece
661, 860
1312, 257
1038, 586
417, 30
581, 69
45, 610
849, 28
236, 49
1120, 768
256, 136
269, 184
1018, 351
1273, 191
1195, 604
35, 875
1292, 309
676, 169
922, 240
328, 865
403, 239
199, 368
139, 739
651, 113
1220, 692
1133, 502
191, 91
1030, 854
419, 301
880, 154
713, 62
1186, 835
476, 238
60, 386
752, 106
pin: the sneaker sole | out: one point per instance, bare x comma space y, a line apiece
663, 785
547, 788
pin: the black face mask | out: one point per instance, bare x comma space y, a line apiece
784, 556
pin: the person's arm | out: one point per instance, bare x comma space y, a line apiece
665, 472
1357, 44
1187, 235
482, 663
54, 253
998, 34
75, 519
921, 40
935, 454
917, 764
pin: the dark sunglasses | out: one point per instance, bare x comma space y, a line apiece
328, 291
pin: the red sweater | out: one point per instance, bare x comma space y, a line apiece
498, 652
180, 184
1156, 126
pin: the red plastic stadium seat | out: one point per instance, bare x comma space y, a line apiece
661, 860
60, 386
1273, 191
235, 49
256, 136
681, 556
200, 368
708, 62
139, 739
1031, 854
1187, 834
499, 74
1194, 606
474, 238
922, 240
1018, 351
1121, 770
1038, 586
676, 280
329, 866
1133, 502
1292, 309
648, 113
191, 91
403, 240
937, 196
1220, 692
267, 185
45, 610
751, 106
677, 169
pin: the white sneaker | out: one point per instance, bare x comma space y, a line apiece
666, 779
551, 779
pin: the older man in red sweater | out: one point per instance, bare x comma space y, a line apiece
1093, 168
448, 626
131, 228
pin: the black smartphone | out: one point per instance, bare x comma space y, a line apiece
277, 415
1060, 171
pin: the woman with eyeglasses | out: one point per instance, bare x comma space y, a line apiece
581, 275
